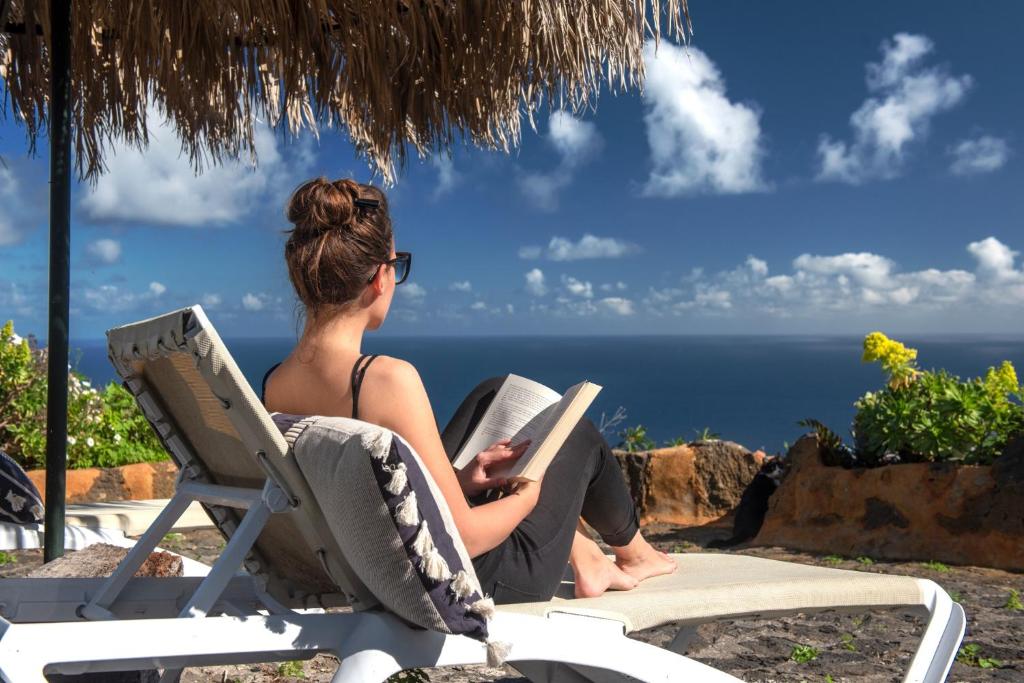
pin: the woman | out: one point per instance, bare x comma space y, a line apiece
344, 267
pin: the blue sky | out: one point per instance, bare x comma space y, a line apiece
807, 167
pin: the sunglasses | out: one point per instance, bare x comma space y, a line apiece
402, 264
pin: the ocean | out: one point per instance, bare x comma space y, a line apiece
748, 389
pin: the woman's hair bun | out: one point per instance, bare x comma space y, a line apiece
335, 244
320, 205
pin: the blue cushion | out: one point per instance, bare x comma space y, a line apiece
20, 501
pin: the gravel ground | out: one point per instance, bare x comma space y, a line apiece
868, 647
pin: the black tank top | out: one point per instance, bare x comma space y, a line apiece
358, 372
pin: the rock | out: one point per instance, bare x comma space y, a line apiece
140, 481
958, 514
100, 559
689, 485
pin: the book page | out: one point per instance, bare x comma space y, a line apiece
561, 420
519, 411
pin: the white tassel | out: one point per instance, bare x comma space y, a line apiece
462, 586
407, 513
484, 607
497, 652
423, 543
377, 442
434, 566
398, 480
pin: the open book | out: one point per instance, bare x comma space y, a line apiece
523, 409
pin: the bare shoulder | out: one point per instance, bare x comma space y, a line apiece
394, 373
396, 397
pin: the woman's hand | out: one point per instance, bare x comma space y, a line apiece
479, 475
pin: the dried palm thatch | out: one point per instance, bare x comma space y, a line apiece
394, 73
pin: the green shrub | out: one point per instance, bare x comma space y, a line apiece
635, 439
936, 566
292, 669
928, 415
934, 415
1013, 601
802, 654
970, 654
105, 427
707, 434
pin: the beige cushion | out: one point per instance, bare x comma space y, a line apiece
709, 586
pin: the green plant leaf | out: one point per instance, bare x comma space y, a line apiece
801, 654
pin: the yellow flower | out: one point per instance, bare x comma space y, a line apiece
896, 359
1002, 380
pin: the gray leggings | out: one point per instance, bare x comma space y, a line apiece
584, 480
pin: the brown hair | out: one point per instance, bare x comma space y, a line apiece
336, 243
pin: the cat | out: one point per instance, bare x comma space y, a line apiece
753, 504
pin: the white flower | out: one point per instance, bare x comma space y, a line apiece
89, 442
86, 384
72, 441
117, 438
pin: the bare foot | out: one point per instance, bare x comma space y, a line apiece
594, 573
641, 561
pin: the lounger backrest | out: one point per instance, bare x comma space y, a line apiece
217, 431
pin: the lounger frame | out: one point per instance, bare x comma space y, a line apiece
179, 628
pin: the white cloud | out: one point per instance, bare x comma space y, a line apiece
535, 282
980, 155
905, 98
11, 225
576, 142
12, 298
619, 286
412, 292
577, 287
478, 306
847, 284
995, 260
700, 141
158, 185
869, 270
447, 177
211, 300
106, 299
254, 302
462, 286
618, 305
104, 251
588, 247
757, 266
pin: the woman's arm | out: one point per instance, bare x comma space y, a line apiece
399, 402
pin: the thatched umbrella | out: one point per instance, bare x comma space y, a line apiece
393, 74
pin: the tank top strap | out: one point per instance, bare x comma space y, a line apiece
263, 386
358, 372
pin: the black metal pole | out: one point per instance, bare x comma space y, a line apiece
60, 276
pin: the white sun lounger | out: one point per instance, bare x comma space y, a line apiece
235, 462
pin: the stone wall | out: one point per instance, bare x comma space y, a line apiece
141, 481
959, 514
689, 485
